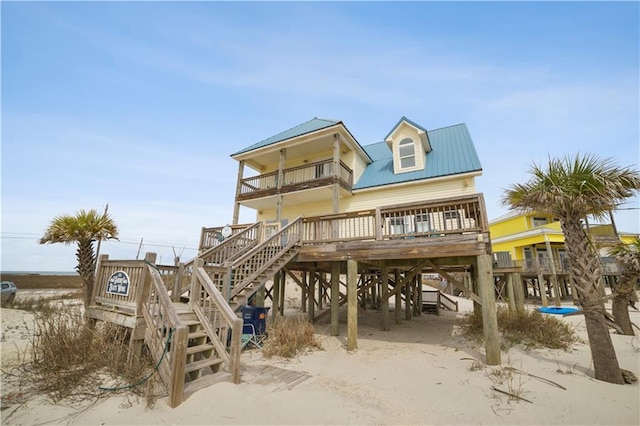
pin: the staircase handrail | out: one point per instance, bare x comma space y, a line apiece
251, 264
227, 243
163, 324
207, 305
448, 303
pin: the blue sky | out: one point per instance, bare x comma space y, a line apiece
139, 105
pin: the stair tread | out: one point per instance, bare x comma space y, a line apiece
199, 348
193, 366
197, 334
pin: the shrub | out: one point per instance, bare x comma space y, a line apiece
529, 328
68, 358
289, 336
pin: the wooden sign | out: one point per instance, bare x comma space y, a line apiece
118, 284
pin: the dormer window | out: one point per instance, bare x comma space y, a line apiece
407, 153
410, 146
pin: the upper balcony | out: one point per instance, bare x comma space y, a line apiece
308, 176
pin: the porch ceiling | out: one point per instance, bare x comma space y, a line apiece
292, 198
305, 147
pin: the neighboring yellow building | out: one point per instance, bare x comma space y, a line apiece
533, 243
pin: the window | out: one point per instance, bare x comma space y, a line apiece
407, 153
397, 225
451, 214
539, 221
422, 223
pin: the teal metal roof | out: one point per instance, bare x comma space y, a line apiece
452, 153
299, 130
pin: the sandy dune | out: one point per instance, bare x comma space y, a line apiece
420, 372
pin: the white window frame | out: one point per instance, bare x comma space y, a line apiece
407, 143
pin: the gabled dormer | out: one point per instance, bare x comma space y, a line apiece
409, 143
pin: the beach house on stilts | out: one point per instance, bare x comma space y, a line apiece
349, 223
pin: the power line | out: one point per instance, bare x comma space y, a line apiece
24, 236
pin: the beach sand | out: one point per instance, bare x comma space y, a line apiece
420, 372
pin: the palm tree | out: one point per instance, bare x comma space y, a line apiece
572, 189
84, 228
629, 257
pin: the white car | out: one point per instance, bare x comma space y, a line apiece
9, 290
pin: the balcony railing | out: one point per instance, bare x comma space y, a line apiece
433, 218
308, 176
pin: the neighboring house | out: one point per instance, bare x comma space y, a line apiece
534, 243
318, 167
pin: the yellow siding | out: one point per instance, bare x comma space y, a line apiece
358, 167
364, 200
520, 223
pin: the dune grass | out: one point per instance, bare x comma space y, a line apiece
529, 328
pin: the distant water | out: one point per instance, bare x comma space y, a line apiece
39, 273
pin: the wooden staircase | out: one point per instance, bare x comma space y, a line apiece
198, 343
434, 300
203, 366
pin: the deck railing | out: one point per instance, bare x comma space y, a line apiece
543, 265
217, 319
434, 218
233, 246
307, 176
166, 338
210, 237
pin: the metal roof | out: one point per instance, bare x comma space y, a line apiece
452, 153
299, 130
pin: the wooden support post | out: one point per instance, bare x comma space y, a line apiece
352, 305
283, 282
312, 292
477, 306
374, 295
518, 291
398, 302
305, 289
275, 296
179, 342
416, 310
335, 297
511, 299
554, 277
543, 290
320, 289
177, 283
236, 204
384, 291
260, 296
419, 284
281, 164
489, 315
336, 175
407, 300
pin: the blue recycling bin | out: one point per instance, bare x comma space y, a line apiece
256, 316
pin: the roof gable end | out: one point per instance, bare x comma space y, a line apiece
421, 131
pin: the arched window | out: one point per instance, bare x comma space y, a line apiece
407, 153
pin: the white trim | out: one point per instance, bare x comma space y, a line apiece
301, 139
526, 234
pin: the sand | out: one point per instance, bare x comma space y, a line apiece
420, 372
